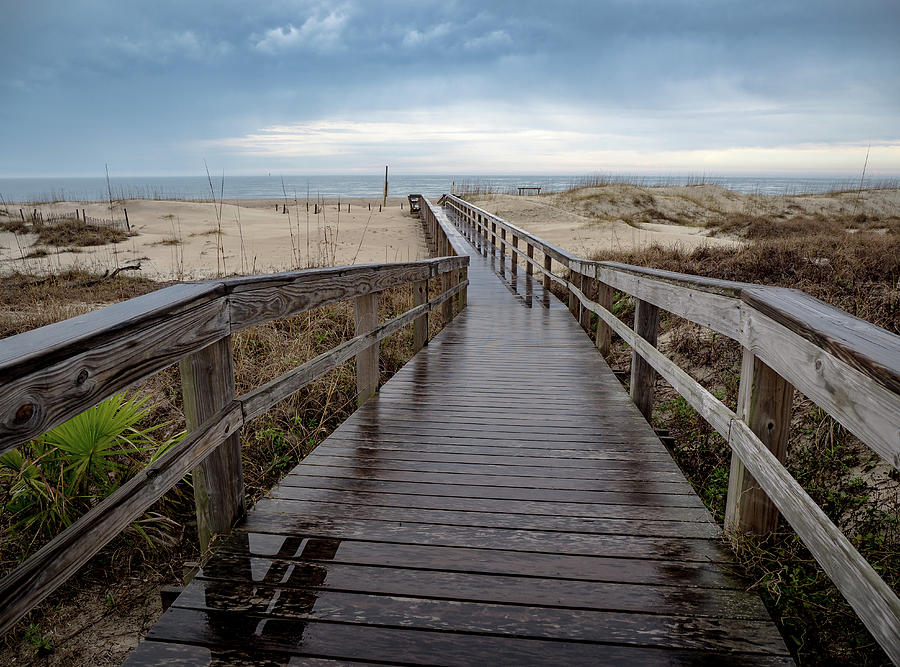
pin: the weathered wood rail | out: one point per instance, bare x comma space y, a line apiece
54, 373
848, 367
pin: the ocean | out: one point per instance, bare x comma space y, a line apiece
370, 186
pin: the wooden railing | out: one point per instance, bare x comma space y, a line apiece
848, 367
54, 373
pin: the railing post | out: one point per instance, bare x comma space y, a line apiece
764, 404
575, 279
588, 286
207, 385
493, 239
529, 268
420, 325
514, 256
447, 306
365, 314
643, 376
604, 332
548, 267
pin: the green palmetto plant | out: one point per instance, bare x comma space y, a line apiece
58, 476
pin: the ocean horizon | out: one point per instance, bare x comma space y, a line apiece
45, 189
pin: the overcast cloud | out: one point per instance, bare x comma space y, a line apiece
302, 86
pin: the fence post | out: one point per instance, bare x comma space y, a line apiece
589, 287
447, 306
764, 404
643, 376
548, 267
420, 325
207, 385
514, 256
575, 279
493, 239
529, 267
365, 315
604, 332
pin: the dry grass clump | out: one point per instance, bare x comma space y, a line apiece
72, 232
857, 273
32, 301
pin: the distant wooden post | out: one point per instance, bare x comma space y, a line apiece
643, 376
604, 332
22, 213
420, 325
764, 404
514, 256
367, 374
384, 199
83, 216
529, 267
127, 224
493, 239
548, 267
207, 385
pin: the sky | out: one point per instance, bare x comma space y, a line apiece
452, 86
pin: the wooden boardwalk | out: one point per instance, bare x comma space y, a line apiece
501, 500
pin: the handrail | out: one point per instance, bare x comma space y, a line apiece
56, 372
849, 367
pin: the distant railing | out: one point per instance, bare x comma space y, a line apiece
847, 366
56, 372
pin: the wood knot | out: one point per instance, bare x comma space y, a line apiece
818, 364
24, 414
82, 377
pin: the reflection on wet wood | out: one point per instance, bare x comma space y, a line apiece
482, 507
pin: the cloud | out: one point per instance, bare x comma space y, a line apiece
172, 45
543, 140
414, 37
317, 33
492, 40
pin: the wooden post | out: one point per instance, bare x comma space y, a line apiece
764, 404
207, 385
643, 376
513, 255
464, 295
366, 317
22, 213
588, 286
502, 248
604, 332
384, 199
127, 224
529, 268
420, 325
548, 266
574, 278
447, 306
493, 239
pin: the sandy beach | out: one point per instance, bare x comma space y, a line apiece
624, 217
179, 240
188, 240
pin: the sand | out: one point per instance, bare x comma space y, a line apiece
178, 240
590, 221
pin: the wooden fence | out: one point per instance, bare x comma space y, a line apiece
848, 367
54, 373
